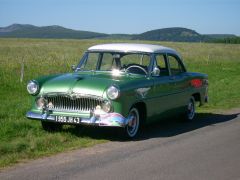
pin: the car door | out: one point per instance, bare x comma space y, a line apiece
162, 88
178, 81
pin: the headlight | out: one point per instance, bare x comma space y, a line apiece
41, 103
113, 92
106, 106
32, 87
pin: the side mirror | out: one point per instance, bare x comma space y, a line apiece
73, 67
156, 71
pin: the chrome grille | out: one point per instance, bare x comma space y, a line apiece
66, 103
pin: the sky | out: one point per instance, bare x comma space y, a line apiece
125, 16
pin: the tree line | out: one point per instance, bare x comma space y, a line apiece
230, 40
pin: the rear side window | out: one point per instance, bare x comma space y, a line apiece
175, 66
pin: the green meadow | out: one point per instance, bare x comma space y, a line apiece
24, 59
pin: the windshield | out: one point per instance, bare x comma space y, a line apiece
137, 63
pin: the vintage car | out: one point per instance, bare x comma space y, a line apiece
119, 85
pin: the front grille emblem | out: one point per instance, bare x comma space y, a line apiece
73, 97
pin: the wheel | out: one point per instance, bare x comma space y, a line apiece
190, 110
132, 129
51, 127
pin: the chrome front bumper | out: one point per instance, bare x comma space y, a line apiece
108, 119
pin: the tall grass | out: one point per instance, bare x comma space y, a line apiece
22, 139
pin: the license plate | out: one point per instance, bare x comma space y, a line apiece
68, 119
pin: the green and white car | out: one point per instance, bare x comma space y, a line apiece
118, 85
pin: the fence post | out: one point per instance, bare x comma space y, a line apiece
22, 71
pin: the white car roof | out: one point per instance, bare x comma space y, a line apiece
127, 47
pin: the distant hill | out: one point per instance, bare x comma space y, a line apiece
30, 31
170, 34
176, 34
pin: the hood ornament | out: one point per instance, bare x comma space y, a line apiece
71, 94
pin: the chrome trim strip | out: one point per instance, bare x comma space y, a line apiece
32, 115
71, 94
108, 119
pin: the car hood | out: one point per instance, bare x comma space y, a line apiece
91, 83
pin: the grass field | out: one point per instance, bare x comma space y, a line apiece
24, 139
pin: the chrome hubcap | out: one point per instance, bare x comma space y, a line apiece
191, 110
133, 124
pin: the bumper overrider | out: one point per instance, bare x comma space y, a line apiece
97, 118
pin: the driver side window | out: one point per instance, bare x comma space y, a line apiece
135, 59
162, 64
136, 63
107, 62
91, 62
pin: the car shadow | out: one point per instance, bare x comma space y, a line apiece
175, 126
164, 128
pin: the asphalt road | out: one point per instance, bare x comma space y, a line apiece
206, 149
